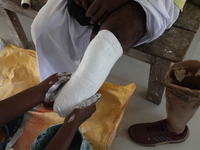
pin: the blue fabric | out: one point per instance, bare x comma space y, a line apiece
11, 128
3, 44
7, 137
78, 143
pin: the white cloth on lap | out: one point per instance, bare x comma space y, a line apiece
160, 15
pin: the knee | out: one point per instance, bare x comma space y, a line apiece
128, 23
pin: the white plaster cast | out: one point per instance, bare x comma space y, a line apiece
99, 58
71, 118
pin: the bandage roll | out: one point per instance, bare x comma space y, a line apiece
25, 4
99, 58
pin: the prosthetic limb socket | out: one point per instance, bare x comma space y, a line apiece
182, 83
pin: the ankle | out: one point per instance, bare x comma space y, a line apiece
174, 129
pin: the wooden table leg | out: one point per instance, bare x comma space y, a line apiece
15, 28
156, 87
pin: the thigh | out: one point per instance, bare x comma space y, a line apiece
128, 23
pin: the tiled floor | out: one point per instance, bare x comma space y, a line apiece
126, 71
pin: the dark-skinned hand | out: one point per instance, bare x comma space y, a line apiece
99, 10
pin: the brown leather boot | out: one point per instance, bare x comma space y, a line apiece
182, 83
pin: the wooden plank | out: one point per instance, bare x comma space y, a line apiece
15, 28
189, 19
196, 2
156, 86
172, 45
145, 57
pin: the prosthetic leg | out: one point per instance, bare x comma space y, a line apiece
182, 83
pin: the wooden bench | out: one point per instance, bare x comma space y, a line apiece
170, 47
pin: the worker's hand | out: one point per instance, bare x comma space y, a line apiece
62, 79
59, 78
99, 10
84, 111
50, 86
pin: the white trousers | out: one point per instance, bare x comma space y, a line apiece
61, 41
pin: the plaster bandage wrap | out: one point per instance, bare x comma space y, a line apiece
99, 58
54, 89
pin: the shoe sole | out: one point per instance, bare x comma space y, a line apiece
166, 142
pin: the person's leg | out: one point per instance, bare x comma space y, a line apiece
115, 35
121, 30
128, 24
